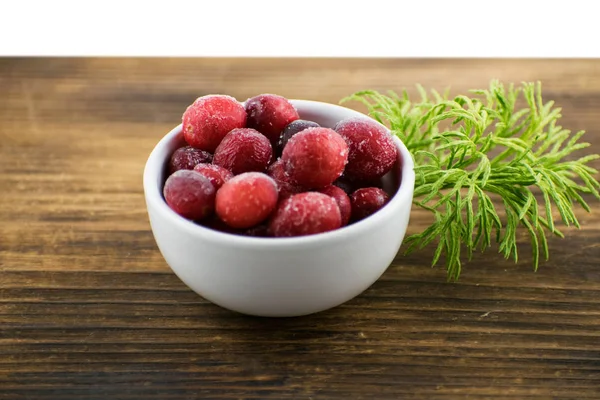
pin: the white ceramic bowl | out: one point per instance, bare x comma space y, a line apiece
280, 277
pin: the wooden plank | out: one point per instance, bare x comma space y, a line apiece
90, 310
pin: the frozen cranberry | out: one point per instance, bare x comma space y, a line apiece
342, 199
269, 114
188, 157
217, 175
291, 129
372, 152
284, 183
246, 200
210, 118
367, 201
244, 150
305, 214
190, 194
315, 157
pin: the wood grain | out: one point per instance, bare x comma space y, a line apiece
90, 310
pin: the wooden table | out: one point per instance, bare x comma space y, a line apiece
90, 310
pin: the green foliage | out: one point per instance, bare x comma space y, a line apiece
468, 150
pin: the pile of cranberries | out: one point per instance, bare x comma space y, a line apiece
259, 170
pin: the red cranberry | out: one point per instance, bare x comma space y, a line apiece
372, 151
246, 200
210, 118
188, 157
269, 114
315, 157
244, 150
190, 194
367, 201
305, 214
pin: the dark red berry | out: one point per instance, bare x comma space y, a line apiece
244, 150
342, 199
284, 182
305, 214
188, 157
216, 174
210, 118
270, 114
372, 152
367, 201
291, 129
246, 200
190, 194
315, 157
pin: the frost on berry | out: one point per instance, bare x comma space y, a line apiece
209, 118
188, 157
190, 194
367, 201
244, 150
315, 157
305, 214
246, 200
371, 150
270, 114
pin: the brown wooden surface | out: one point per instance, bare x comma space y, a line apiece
90, 310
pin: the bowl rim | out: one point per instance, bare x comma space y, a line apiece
154, 197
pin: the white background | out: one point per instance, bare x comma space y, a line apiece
309, 28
